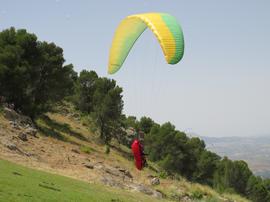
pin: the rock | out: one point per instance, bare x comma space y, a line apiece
23, 137
14, 147
11, 146
31, 131
16, 118
161, 194
75, 151
14, 125
143, 189
76, 115
155, 181
150, 176
146, 190
158, 194
126, 173
119, 173
88, 165
112, 172
10, 114
64, 111
111, 182
99, 166
28, 154
225, 199
186, 199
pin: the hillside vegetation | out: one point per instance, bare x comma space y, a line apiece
254, 150
73, 124
63, 145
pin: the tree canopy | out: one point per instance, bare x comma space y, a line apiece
32, 73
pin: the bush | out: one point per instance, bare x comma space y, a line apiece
86, 149
197, 194
107, 151
1, 109
163, 174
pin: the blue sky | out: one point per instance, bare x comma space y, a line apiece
220, 88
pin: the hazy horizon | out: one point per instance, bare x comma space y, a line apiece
220, 88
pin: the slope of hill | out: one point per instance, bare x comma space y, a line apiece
15, 185
254, 150
64, 145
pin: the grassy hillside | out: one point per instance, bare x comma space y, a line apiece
19, 183
65, 145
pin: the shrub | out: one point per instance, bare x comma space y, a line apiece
86, 149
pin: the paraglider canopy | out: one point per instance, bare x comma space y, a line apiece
165, 28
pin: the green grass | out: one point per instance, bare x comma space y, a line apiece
22, 184
87, 149
54, 128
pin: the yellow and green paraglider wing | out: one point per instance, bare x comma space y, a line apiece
165, 28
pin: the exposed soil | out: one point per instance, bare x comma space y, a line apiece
64, 158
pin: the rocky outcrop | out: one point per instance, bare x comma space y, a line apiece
18, 120
154, 181
75, 151
107, 180
146, 190
122, 178
23, 136
89, 165
20, 130
30, 131
13, 147
126, 173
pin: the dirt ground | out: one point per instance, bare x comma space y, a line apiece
67, 158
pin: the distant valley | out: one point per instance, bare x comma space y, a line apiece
254, 150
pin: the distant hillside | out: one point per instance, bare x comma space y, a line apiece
254, 150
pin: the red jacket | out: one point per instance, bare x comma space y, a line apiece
137, 150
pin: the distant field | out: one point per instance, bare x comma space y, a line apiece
20, 184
